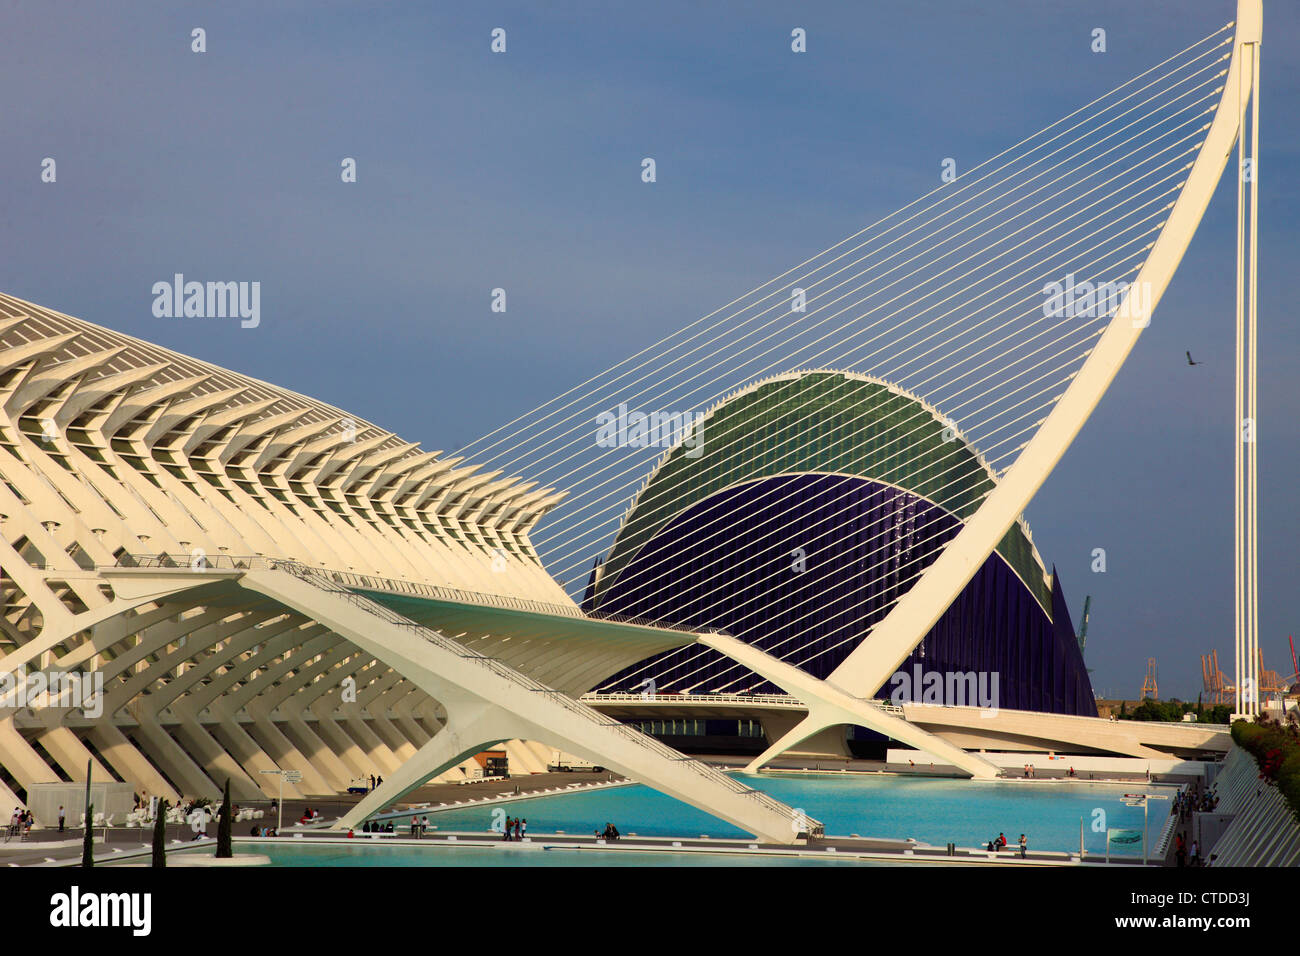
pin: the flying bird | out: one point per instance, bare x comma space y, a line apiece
1191, 361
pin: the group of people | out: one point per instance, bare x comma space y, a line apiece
999, 843
610, 834
418, 826
264, 832
1032, 771
1181, 855
1187, 803
20, 822
308, 815
375, 781
516, 829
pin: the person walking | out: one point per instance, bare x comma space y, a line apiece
62, 818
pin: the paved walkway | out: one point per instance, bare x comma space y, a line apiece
41, 846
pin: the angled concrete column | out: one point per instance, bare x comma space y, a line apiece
320, 753
276, 745
829, 706
343, 747
71, 754
179, 766
216, 762
20, 759
129, 763
462, 737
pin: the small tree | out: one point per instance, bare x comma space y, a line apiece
160, 834
224, 826
88, 841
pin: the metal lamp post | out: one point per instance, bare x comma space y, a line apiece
293, 776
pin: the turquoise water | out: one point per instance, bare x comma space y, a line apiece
506, 854
935, 811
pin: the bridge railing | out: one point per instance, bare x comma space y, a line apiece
767, 700
372, 582
775, 700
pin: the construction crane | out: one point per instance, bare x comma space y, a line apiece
1219, 690
1082, 636
1149, 686
1270, 682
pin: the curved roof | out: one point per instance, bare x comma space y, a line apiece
822, 421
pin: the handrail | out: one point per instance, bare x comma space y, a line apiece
787, 700
781, 700
372, 582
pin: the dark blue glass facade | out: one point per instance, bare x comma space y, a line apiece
803, 565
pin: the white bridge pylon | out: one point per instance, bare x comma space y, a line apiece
870, 664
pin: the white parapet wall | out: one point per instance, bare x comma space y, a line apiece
1083, 766
1263, 831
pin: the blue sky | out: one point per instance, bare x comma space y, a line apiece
522, 171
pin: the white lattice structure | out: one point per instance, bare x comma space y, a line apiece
161, 519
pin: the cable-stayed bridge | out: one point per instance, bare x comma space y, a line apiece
262, 580
1000, 305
